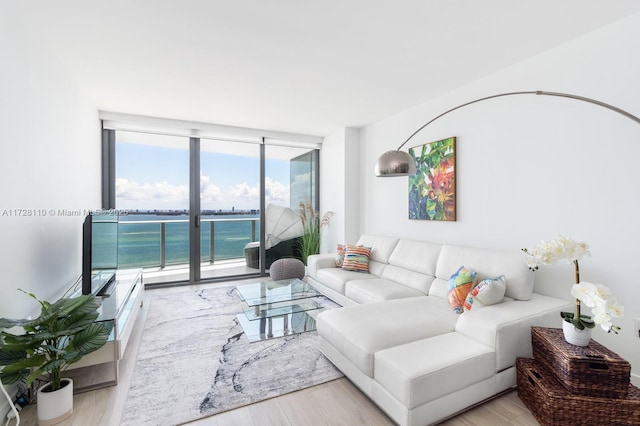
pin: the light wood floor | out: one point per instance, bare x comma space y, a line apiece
334, 403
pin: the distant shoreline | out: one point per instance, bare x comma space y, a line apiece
252, 212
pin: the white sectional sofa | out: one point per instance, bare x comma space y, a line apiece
398, 339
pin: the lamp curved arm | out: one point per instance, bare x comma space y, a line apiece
530, 92
400, 163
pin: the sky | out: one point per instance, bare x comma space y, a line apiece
157, 177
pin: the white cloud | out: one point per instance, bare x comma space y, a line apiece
163, 195
276, 192
159, 195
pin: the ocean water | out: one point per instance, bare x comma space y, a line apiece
139, 243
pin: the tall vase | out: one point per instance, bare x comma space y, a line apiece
574, 336
54, 407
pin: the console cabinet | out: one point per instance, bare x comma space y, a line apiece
119, 311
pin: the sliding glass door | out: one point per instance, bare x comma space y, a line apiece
152, 191
290, 196
195, 208
229, 208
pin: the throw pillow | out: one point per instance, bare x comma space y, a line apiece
339, 255
488, 292
356, 258
460, 283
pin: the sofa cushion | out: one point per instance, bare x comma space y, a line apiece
356, 258
506, 326
413, 264
358, 332
416, 256
317, 262
421, 371
378, 290
487, 263
336, 278
439, 288
381, 247
408, 278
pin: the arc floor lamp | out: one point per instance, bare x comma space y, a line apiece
400, 163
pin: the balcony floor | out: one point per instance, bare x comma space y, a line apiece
180, 273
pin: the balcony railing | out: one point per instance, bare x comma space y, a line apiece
160, 243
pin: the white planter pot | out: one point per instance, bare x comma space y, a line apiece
574, 336
54, 407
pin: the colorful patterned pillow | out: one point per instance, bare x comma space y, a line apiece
339, 255
356, 258
460, 283
488, 292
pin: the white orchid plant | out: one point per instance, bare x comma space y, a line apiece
603, 306
598, 297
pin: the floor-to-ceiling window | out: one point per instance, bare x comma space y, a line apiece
303, 178
152, 192
290, 191
179, 235
229, 206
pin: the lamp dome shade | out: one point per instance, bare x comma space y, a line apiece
395, 163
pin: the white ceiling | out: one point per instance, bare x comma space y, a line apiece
296, 65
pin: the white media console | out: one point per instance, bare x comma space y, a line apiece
119, 312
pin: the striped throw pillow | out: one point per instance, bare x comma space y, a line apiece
356, 258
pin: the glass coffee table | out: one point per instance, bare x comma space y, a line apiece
277, 308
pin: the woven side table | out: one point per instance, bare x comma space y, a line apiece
552, 404
591, 370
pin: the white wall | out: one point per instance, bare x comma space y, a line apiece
532, 167
339, 174
49, 160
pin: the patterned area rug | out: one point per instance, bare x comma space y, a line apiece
195, 361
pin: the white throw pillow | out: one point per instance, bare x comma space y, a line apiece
488, 292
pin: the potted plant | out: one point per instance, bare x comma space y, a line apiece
61, 335
577, 326
312, 223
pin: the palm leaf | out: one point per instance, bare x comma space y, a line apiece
8, 357
11, 378
90, 339
64, 332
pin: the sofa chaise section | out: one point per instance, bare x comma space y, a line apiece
402, 344
361, 331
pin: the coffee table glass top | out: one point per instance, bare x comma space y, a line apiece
266, 292
280, 308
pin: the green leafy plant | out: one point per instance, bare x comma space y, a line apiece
312, 223
64, 332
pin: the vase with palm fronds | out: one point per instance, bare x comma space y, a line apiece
312, 224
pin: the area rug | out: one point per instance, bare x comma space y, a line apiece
194, 360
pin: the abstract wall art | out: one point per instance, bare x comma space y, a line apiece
432, 190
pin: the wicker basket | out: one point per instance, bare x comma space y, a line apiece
552, 404
590, 370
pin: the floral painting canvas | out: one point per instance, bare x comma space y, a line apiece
432, 190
